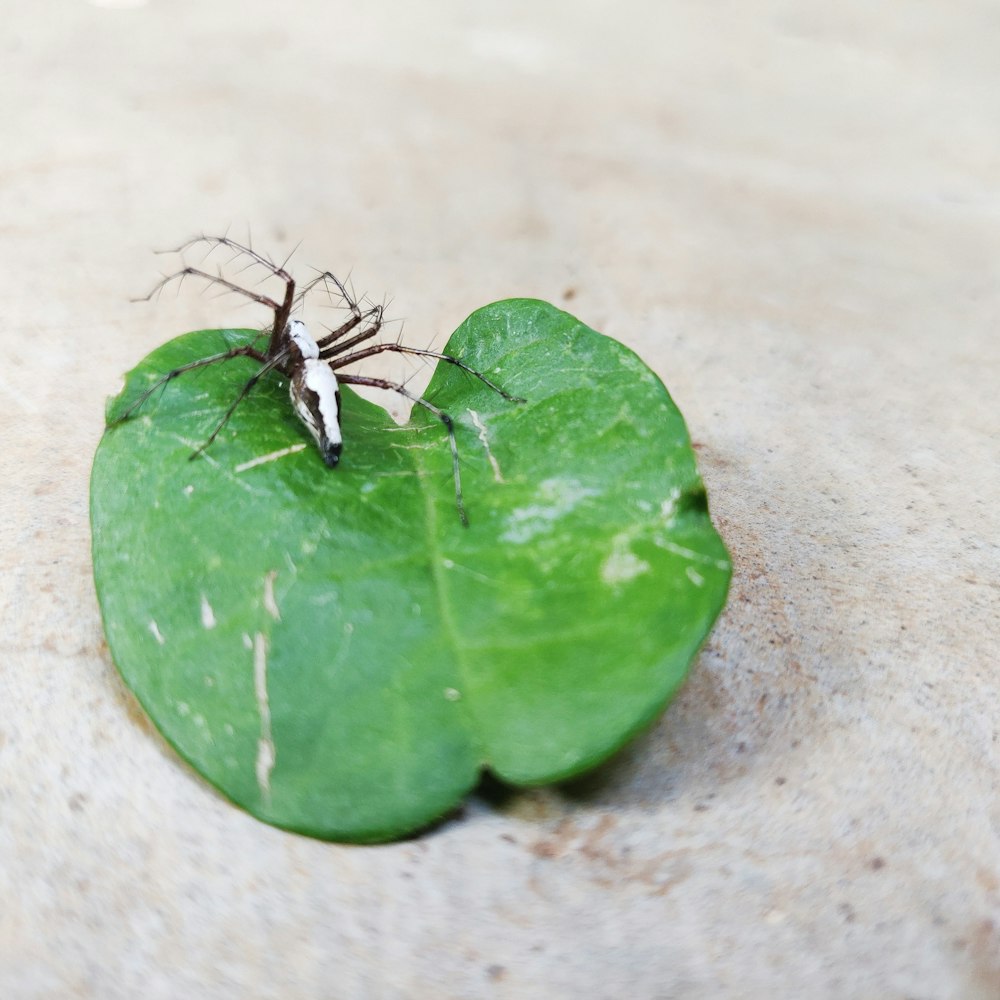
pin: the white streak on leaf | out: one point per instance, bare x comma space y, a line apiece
266, 753
270, 457
622, 564
207, 614
157, 634
412, 447
694, 576
668, 508
204, 456
481, 427
686, 553
270, 605
555, 498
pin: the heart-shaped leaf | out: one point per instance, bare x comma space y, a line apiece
332, 648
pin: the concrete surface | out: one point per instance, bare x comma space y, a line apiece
790, 210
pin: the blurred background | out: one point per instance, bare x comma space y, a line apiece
790, 211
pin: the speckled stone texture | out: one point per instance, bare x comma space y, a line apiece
790, 211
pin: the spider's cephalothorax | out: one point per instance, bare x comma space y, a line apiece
313, 366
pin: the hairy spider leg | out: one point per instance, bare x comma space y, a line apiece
282, 312
215, 279
239, 250
268, 365
324, 277
327, 343
381, 383
357, 316
339, 362
236, 352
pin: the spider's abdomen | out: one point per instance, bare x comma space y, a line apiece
315, 395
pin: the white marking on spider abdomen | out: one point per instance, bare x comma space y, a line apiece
322, 381
324, 419
315, 392
302, 338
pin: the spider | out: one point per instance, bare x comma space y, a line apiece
313, 366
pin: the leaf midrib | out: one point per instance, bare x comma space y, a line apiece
436, 556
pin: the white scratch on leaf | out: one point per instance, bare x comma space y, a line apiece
668, 508
266, 753
694, 576
157, 634
270, 457
207, 614
411, 447
555, 498
481, 427
205, 457
270, 605
451, 564
686, 553
452, 694
622, 564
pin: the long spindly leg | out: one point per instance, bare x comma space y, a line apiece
328, 345
324, 278
357, 316
251, 382
381, 383
342, 360
215, 279
236, 352
330, 349
282, 312
239, 250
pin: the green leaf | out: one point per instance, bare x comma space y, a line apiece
332, 648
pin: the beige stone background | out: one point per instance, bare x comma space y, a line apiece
791, 211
